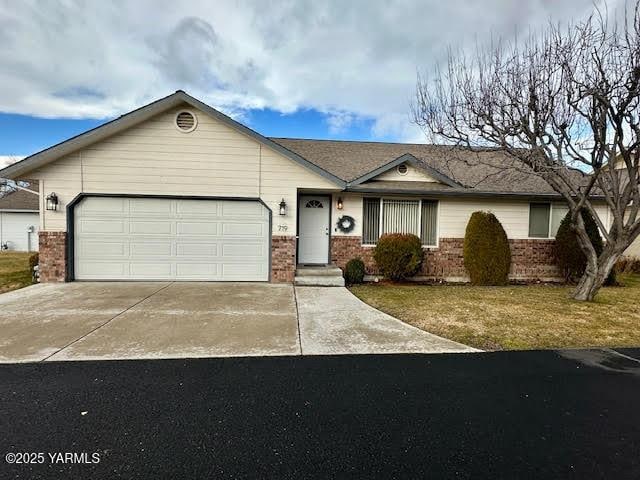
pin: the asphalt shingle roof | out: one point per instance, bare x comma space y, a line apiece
21, 200
483, 170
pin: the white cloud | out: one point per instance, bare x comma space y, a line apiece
6, 160
340, 122
355, 59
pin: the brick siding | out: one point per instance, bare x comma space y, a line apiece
283, 259
52, 256
530, 259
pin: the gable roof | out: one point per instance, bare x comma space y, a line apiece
406, 158
140, 115
487, 171
352, 165
21, 200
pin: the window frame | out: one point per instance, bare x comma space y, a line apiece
420, 200
549, 229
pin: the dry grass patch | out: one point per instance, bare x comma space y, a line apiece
514, 317
14, 271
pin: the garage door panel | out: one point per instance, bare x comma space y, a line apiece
89, 249
242, 209
150, 249
242, 250
171, 239
243, 229
198, 228
158, 227
239, 271
198, 270
198, 208
102, 206
110, 270
102, 226
197, 249
151, 270
149, 206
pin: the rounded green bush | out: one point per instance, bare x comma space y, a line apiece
569, 257
398, 255
486, 251
354, 271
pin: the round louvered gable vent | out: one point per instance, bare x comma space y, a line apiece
403, 169
186, 121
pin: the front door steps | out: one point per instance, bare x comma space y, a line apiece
319, 276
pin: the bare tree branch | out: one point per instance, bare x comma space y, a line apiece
566, 98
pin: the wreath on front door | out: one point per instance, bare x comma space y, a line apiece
346, 224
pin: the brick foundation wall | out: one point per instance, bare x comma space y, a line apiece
530, 259
53, 256
283, 259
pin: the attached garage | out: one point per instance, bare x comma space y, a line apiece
19, 230
155, 238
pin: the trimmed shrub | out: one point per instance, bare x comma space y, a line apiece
569, 257
628, 265
487, 255
398, 255
354, 271
33, 261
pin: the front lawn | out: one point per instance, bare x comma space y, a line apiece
514, 317
14, 270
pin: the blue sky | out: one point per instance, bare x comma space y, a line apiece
303, 68
22, 135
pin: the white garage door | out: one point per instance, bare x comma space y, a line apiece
170, 239
19, 231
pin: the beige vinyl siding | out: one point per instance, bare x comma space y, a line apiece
514, 216
634, 249
413, 175
351, 206
454, 214
156, 158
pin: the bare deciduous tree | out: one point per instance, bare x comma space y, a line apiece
564, 99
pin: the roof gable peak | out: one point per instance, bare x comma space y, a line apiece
413, 161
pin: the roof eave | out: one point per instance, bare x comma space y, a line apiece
463, 193
18, 210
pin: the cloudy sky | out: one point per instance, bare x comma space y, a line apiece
322, 69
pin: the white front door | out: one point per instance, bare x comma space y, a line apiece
313, 230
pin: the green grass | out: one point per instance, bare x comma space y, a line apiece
14, 271
514, 317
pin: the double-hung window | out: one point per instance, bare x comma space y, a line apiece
386, 215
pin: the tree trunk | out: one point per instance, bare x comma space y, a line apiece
595, 275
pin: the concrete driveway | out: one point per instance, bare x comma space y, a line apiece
116, 320
126, 320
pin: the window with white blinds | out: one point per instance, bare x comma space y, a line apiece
418, 217
401, 216
370, 220
429, 223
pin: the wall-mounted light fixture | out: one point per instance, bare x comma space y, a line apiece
52, 202
339, 204
283, 207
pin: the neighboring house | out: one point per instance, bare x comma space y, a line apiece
178, 191
634, 248
19, 220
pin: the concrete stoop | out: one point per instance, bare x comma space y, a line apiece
319, 276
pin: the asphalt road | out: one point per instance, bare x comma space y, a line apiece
495, 415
